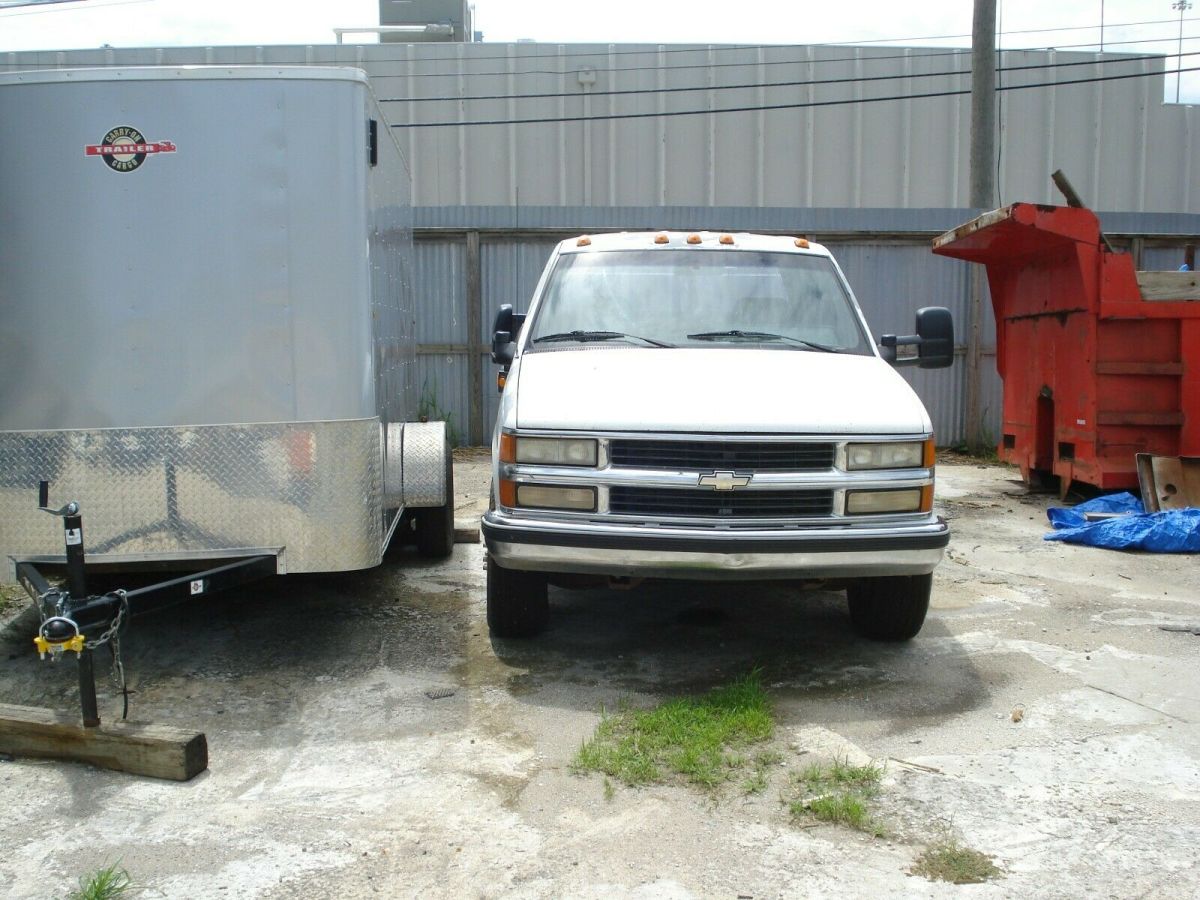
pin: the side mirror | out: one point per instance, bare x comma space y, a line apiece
934, 340
503, 336
935, 326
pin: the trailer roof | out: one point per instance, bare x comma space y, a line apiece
172, 73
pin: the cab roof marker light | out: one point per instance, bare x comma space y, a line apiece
802, 243
661, 239
727, 239
583, 242
693, 239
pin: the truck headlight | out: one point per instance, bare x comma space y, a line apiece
539, 496
918, 499
887, 455
548, 451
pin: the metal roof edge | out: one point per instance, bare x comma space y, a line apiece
198, 72
806, 220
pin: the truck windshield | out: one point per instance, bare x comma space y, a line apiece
697, 298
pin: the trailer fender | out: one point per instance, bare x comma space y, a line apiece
414, 464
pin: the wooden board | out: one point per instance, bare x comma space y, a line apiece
158, 751
1168, 482
1169, 285
466, 534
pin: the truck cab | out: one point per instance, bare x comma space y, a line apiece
710, 406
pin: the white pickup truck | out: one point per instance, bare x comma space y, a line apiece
710, 406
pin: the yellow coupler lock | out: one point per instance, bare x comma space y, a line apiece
54, 648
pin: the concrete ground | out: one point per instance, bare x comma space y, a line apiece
1042, 717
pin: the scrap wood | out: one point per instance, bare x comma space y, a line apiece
918, 766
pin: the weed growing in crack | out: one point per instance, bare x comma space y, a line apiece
839, 794
109, 883
698, 739
949, 861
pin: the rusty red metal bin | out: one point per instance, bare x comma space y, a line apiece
1100, 362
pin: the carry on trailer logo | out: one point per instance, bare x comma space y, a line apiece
124, 149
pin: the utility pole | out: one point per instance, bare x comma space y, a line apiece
983, 104
983, 194
1183, 6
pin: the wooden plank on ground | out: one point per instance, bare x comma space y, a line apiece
159, 751
1169, 285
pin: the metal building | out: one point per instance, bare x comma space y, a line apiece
864, 148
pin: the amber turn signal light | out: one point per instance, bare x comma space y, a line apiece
508, 493
508, 448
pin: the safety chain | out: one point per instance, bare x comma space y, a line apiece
112, 637
118, 674
59, 596
111, 632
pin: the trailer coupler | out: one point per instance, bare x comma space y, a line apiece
69, 612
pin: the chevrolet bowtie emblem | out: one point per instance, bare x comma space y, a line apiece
724, 481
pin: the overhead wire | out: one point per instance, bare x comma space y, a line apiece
743, 48
922, 53
1001, 32
858, 79
781, 106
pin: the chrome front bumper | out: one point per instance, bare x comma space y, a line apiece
710, 554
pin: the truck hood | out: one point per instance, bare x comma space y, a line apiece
714, 390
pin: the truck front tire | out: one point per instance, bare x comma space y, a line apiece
891, 608
518, 605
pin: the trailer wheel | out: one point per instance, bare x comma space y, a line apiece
435, 524
517, 602
891, 608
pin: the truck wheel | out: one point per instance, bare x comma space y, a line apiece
435, 525
517, 602
889, 609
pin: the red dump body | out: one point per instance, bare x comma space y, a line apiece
1099, 362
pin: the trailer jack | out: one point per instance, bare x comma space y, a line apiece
69, 613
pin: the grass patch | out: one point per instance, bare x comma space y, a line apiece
838, 793
108, 883
763, 760
950, 861
12, 596
756, 783
698, 739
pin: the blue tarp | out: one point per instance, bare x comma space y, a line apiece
1172, 531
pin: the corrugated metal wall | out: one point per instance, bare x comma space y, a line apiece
443, 366
1122, 146
892, 275
892, 280
872, 180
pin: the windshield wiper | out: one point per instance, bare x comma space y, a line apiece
597, 336
760, 336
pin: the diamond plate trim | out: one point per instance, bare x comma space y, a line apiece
393, 465
424, 454
310, 488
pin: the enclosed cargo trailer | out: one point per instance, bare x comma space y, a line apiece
206, 336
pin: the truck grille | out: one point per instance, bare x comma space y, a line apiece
706, 503
749, 456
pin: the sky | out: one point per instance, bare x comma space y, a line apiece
1023, 23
